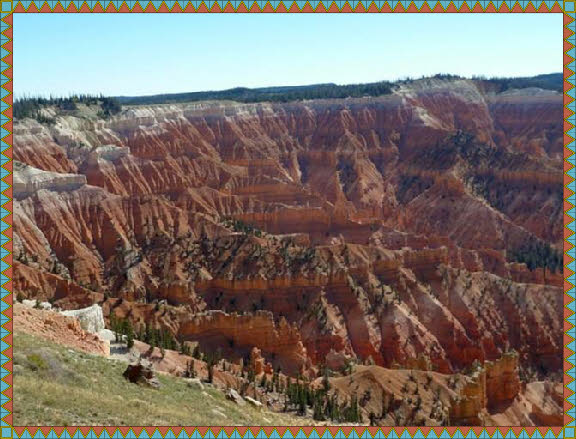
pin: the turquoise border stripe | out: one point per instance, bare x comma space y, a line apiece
6, 430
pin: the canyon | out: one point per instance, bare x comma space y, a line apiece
415, 231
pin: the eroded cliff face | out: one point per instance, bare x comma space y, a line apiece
489, 394
383, 226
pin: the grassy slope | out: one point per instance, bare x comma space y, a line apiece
54, 385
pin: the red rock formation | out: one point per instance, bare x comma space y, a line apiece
386, 224
57, 328
248, 333
491, 394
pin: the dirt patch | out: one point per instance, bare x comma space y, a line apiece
57, 328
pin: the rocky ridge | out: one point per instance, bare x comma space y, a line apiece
485, 394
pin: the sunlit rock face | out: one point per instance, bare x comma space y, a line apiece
384, 226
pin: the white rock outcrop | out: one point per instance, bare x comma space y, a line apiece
36, 304
106, 335
91, 319
234, 396
109, 153
27, 180
253, 402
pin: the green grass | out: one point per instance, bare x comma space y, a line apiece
54, 385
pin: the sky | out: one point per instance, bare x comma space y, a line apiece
143, 54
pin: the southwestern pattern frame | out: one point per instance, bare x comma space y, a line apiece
9, 7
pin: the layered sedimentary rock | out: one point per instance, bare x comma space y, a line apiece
487, 394
29, 180
241, 333
491, 389
386, 229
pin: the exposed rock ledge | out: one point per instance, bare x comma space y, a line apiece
58, 328
28, 180
91, 319
108, 152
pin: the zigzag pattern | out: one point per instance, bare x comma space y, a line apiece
287, 6
287, 432
6, 421
570, 238
6, 222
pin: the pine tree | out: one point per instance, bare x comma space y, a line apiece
114, 326
354, 409
147, 334
210, 373
184, 348
129, 332
325, 380
318, 409
334, 408
190, 371
153, 337
141, 332
264, 381
372, 419
302, 402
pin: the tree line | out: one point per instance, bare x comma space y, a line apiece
552, 81
537, 254
325, 405
155, 337
268, 94
31, 106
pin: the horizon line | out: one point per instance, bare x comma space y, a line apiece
23, 96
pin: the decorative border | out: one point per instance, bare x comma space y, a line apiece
8, 7
287, 6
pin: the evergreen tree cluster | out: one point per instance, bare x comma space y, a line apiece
269, 94
153, 336
325, 405
242, 227
110, 106
156, 337
30, 106
122, 327
211, 358
552, 81
190, 372
537, 254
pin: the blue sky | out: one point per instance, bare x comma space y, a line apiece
140, 54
